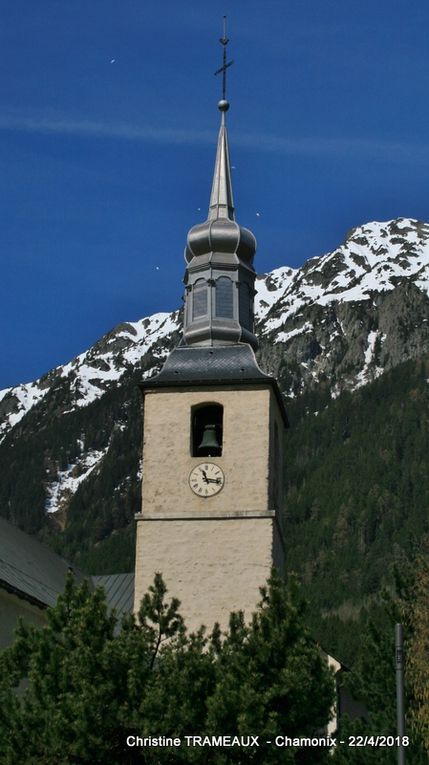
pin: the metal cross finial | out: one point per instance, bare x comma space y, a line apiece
223, 104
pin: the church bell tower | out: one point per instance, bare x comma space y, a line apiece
210, 520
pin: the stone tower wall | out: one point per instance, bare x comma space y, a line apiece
214, 553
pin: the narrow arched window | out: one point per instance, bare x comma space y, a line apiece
224, 298
206, 430
199, 299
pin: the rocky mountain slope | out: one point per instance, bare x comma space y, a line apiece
70, 441
347, 316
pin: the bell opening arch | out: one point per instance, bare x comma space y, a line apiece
207, 430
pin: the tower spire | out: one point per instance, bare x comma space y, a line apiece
221, 199
220, 278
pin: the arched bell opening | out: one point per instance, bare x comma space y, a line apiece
206, 430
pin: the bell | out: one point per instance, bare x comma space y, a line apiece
209, 446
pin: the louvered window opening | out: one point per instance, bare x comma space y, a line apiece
245, 306
224, 298
199, 300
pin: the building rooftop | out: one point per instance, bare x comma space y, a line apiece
119, 589
35, 573
30, 569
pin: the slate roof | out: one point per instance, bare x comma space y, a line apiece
32, 571
208, 364
29, 568
213, 365
119, 589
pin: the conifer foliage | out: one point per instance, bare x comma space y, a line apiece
417, 667
372, 680
73, 691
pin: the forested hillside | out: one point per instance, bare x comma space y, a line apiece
357, 495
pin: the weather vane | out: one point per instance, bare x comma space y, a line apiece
223, 104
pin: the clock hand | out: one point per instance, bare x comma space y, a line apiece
207, 480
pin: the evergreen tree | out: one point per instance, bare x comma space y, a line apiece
417, 659
72, 692
74, 675
272, 679
372, 682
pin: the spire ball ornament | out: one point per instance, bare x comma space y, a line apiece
223, 105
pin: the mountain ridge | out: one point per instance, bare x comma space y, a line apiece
375, 259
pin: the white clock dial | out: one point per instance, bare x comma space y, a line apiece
206, 479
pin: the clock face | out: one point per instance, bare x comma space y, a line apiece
206, 479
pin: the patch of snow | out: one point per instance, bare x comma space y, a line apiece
369, 353
67, 481
284, 337
25, 397
265, 298
365, 372
140, 470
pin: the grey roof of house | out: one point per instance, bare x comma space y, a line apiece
213, 365
32, 571
29, 568
119, 589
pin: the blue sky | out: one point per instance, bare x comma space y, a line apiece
108, 127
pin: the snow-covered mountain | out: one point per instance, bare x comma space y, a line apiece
374, 258
340, 320
348, 315
89, 375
